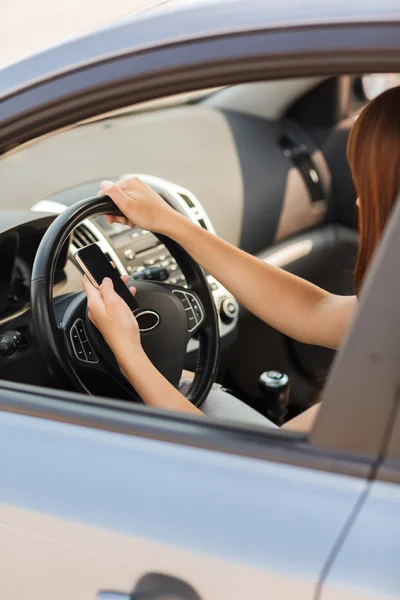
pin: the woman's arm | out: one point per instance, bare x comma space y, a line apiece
294, 306
113, 318
151, 386
288, 303
303, 422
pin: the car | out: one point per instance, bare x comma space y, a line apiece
238, 114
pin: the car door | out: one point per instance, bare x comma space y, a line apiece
102, 500
97, 496
93, 498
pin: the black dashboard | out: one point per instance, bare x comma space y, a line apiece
20, 236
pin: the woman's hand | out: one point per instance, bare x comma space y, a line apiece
113, 318
140, 204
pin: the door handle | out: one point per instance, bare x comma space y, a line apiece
154, 586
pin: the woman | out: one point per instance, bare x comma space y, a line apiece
292, 305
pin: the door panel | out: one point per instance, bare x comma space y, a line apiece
277, 198
367, 564
86, 510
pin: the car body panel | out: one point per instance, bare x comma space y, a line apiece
367, 565
193, 21
85, 509
85, 494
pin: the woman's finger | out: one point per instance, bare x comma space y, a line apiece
104, 185
123, 220
93, 295
125, 278
88, 287
132, 290
120, 219
117, 195
108, 293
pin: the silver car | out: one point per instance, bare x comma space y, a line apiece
237, 113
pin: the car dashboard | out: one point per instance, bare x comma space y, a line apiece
20, 235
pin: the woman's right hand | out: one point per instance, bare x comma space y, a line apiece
113, 318
140, 204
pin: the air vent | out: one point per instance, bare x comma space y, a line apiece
82, 236
187, 200
202, 224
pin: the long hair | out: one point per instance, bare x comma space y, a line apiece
373, 152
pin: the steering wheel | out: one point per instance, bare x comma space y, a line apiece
168, 316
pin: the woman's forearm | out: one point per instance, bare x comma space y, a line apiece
152, 386
292, 305
286, 302
303, 422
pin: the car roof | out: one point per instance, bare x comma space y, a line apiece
180, 20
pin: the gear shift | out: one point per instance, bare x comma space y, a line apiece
275, 388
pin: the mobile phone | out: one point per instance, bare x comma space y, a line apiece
95, 264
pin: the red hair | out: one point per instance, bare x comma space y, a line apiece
373, 152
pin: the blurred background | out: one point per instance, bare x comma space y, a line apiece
27, 26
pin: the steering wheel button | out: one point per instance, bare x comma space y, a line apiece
78, 349
182, 297
81, 330
185, 303
90, 355
192, 322
197, 313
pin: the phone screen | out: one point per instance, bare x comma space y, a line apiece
96, 264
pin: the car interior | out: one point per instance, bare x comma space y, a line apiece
263, 165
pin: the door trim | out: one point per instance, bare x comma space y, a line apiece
133, 77
179, 428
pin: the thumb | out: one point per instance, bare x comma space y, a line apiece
116, 194
107, 291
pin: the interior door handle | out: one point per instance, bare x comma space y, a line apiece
154, 586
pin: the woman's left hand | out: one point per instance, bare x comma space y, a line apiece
113, 318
